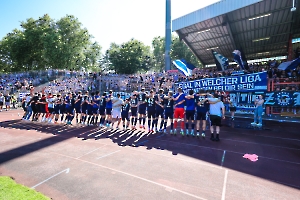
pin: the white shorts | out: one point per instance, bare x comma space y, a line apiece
116, 114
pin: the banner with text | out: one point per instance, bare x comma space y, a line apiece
247, 82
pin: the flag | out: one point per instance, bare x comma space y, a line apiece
289, 65
221, 61
244, 59
184, 67
237, 57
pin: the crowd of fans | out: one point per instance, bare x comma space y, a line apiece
70, 81
168, 79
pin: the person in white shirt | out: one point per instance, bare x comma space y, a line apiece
217, 112
116, 110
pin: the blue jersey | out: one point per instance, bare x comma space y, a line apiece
125, 108
190, 104
142, 98
161, 97
201, 107
133, 102
181, 98
68, 101
78, 101
108, 103
169, 105
150, 104
102, 104
96, 99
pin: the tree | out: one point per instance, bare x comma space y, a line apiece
178, 51
46, 43
129, 57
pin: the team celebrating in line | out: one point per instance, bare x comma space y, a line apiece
95, 109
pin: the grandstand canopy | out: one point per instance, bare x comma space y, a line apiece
261, 28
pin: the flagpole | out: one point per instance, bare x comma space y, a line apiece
168, 36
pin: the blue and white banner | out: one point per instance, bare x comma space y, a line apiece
247, 82
221, 61
184, 67
290, 65
237, 57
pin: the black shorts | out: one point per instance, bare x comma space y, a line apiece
190, 114
42, 109
215, 120
95, 111
84, 109
90, 112
169, 115
142, 109
201, 116
77, 110
70, 110
159, 112
108, 111
56, 109
134, 111
102, 111
51, 110
151, 114
1, 103
125, 116
233, 109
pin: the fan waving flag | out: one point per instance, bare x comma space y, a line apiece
290, 65
237, 57
184, 67
221, 61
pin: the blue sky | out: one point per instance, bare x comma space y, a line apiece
107, 20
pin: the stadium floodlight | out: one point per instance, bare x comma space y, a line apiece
263, 53
260, 16
261, 39
204, 31
212, 48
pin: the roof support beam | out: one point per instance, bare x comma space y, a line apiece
181, 37
230, 32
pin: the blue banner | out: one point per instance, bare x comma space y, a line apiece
247, 82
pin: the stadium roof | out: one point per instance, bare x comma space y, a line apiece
261, 28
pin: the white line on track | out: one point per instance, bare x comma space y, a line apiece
66, 170
91, 151
224, 185
137, 177
108, 154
